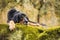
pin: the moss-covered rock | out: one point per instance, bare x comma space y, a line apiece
51, 34
23, 32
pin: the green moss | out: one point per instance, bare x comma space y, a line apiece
23, 32
51, 34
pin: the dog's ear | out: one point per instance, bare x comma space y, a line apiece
23, 15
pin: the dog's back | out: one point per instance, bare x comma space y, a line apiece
10, 14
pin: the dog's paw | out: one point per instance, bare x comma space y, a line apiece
11, 25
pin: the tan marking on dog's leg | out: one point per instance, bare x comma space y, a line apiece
11, 25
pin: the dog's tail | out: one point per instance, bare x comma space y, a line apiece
11, 14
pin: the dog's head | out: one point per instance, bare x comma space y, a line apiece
21, 18
24, 18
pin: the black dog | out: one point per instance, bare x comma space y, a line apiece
15, 16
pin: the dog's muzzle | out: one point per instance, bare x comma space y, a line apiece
25, 20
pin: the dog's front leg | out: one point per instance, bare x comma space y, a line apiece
11, 25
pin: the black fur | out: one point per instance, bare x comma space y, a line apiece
10, 14
17, 16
